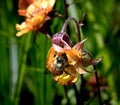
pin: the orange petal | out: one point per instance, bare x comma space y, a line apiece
23, 4
72, 56
79, 46
50, 59
79, 67
23, 29
89, 61
50, 64
36, 12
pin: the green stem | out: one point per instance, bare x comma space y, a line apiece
22, 69
76, 24
97, 78
68, 100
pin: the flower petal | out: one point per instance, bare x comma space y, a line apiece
58, 48
67, 79
89, 61
79, 46
72, 56
36, 13
51, 63
50, 59
79, 67
62, 40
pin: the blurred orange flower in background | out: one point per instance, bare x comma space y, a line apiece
36, 14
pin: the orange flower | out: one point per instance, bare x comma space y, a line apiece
66, 63
57, 64
36, 13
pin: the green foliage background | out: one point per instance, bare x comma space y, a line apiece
23, 76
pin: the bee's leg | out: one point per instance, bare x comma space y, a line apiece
55, 54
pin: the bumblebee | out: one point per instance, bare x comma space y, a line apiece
57, 64
60, 62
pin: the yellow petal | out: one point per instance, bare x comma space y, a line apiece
68, 78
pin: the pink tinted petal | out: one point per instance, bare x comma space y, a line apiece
62, 40
79, 46
58, 48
